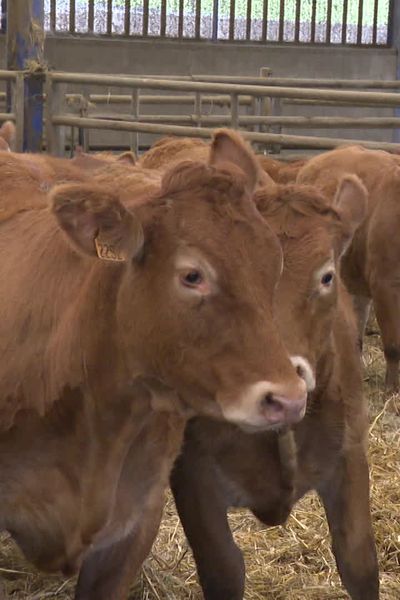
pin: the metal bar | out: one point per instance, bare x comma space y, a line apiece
197, 109
55, 140
297, 21
3, 15
344, 21
146, 17
135, 103
264, 33
281, 20
381, 98
7, 117
180, 18
328, 32
197, 20
72, 16
90, 16
313, 19
234, 111
220, 100
351, 103
8, 75
109, 16
214, 35
53, 9
232, 20
127, 17
360, 21
252, 120
266, 138
375, 23
248, 21
19, 109
163, 18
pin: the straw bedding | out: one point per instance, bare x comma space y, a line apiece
292, 562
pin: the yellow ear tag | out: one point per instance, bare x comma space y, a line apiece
108, 252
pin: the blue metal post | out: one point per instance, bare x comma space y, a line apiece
25, 49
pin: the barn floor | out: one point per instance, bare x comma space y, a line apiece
292, 562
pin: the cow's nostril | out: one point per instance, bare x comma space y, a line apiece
268, 399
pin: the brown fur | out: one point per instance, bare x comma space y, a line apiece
221, 466
227, 145
280, 171
370, 268
170, 150
102, 361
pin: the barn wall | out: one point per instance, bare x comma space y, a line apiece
173, 57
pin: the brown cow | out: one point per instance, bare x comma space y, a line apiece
222, 466
168, 151
279, 170
97, 160
371, 266
120, 316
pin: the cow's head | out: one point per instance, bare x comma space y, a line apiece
314, 234
198, 269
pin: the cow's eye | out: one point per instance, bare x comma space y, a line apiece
327, 279
192, 278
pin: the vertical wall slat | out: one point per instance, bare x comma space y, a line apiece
360, 21
297, 21
91, 16
264, 34
248, 20
145, 18
375, 23
109, 16
232, 20
197, 20
344, 21
180, 18
163, 18
215, 19
328, 22
313, 19
281, 19
72, 16
127, 17
53, 15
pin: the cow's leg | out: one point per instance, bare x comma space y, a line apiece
107, 573
203, 512
346, 501
362, 307
387, 309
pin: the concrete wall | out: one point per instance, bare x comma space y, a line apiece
155, 57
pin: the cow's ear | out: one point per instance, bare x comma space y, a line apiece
96, 222
229, 146
127, 157
8, 132
351, 202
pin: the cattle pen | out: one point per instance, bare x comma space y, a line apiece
296, 78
